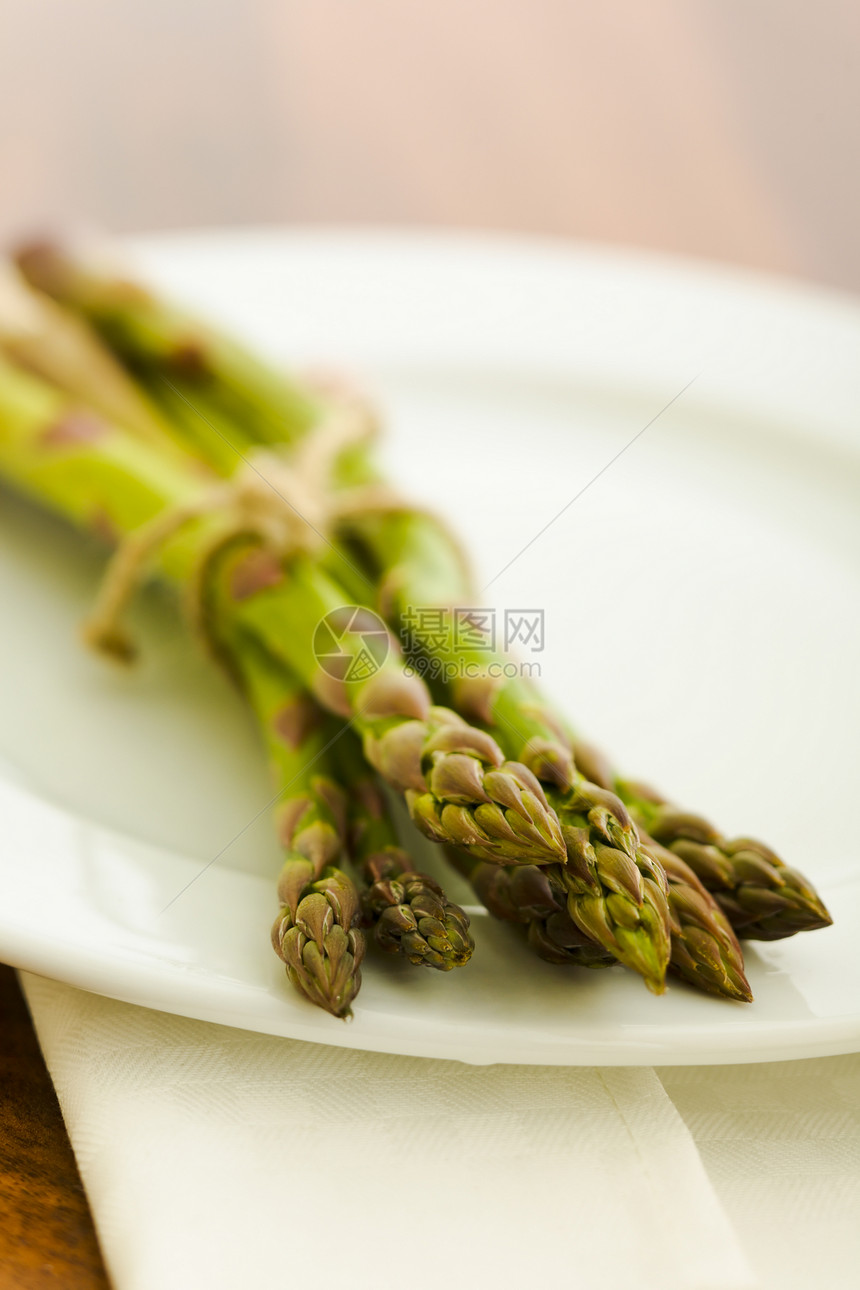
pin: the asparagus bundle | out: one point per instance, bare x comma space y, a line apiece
559, 851
619, 893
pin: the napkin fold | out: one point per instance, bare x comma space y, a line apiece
220, 1158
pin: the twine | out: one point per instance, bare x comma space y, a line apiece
286, 502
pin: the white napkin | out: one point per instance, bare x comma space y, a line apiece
781, 1143
218, 1158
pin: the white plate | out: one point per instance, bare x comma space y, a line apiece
702, 621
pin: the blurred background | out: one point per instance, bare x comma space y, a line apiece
722, 128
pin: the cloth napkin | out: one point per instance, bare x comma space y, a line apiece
781, 1144
217, 1158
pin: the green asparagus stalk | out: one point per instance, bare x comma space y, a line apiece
316, 932
616, 890
408, 911
762, 897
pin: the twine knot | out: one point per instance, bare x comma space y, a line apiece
285, 498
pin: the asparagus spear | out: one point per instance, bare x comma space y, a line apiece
409, 912
454, 778
705, 950
763, 898
316, 933
101, 478
616, 890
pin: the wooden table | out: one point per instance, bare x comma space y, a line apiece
46, 1232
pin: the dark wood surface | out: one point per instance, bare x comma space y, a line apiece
47, 1239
